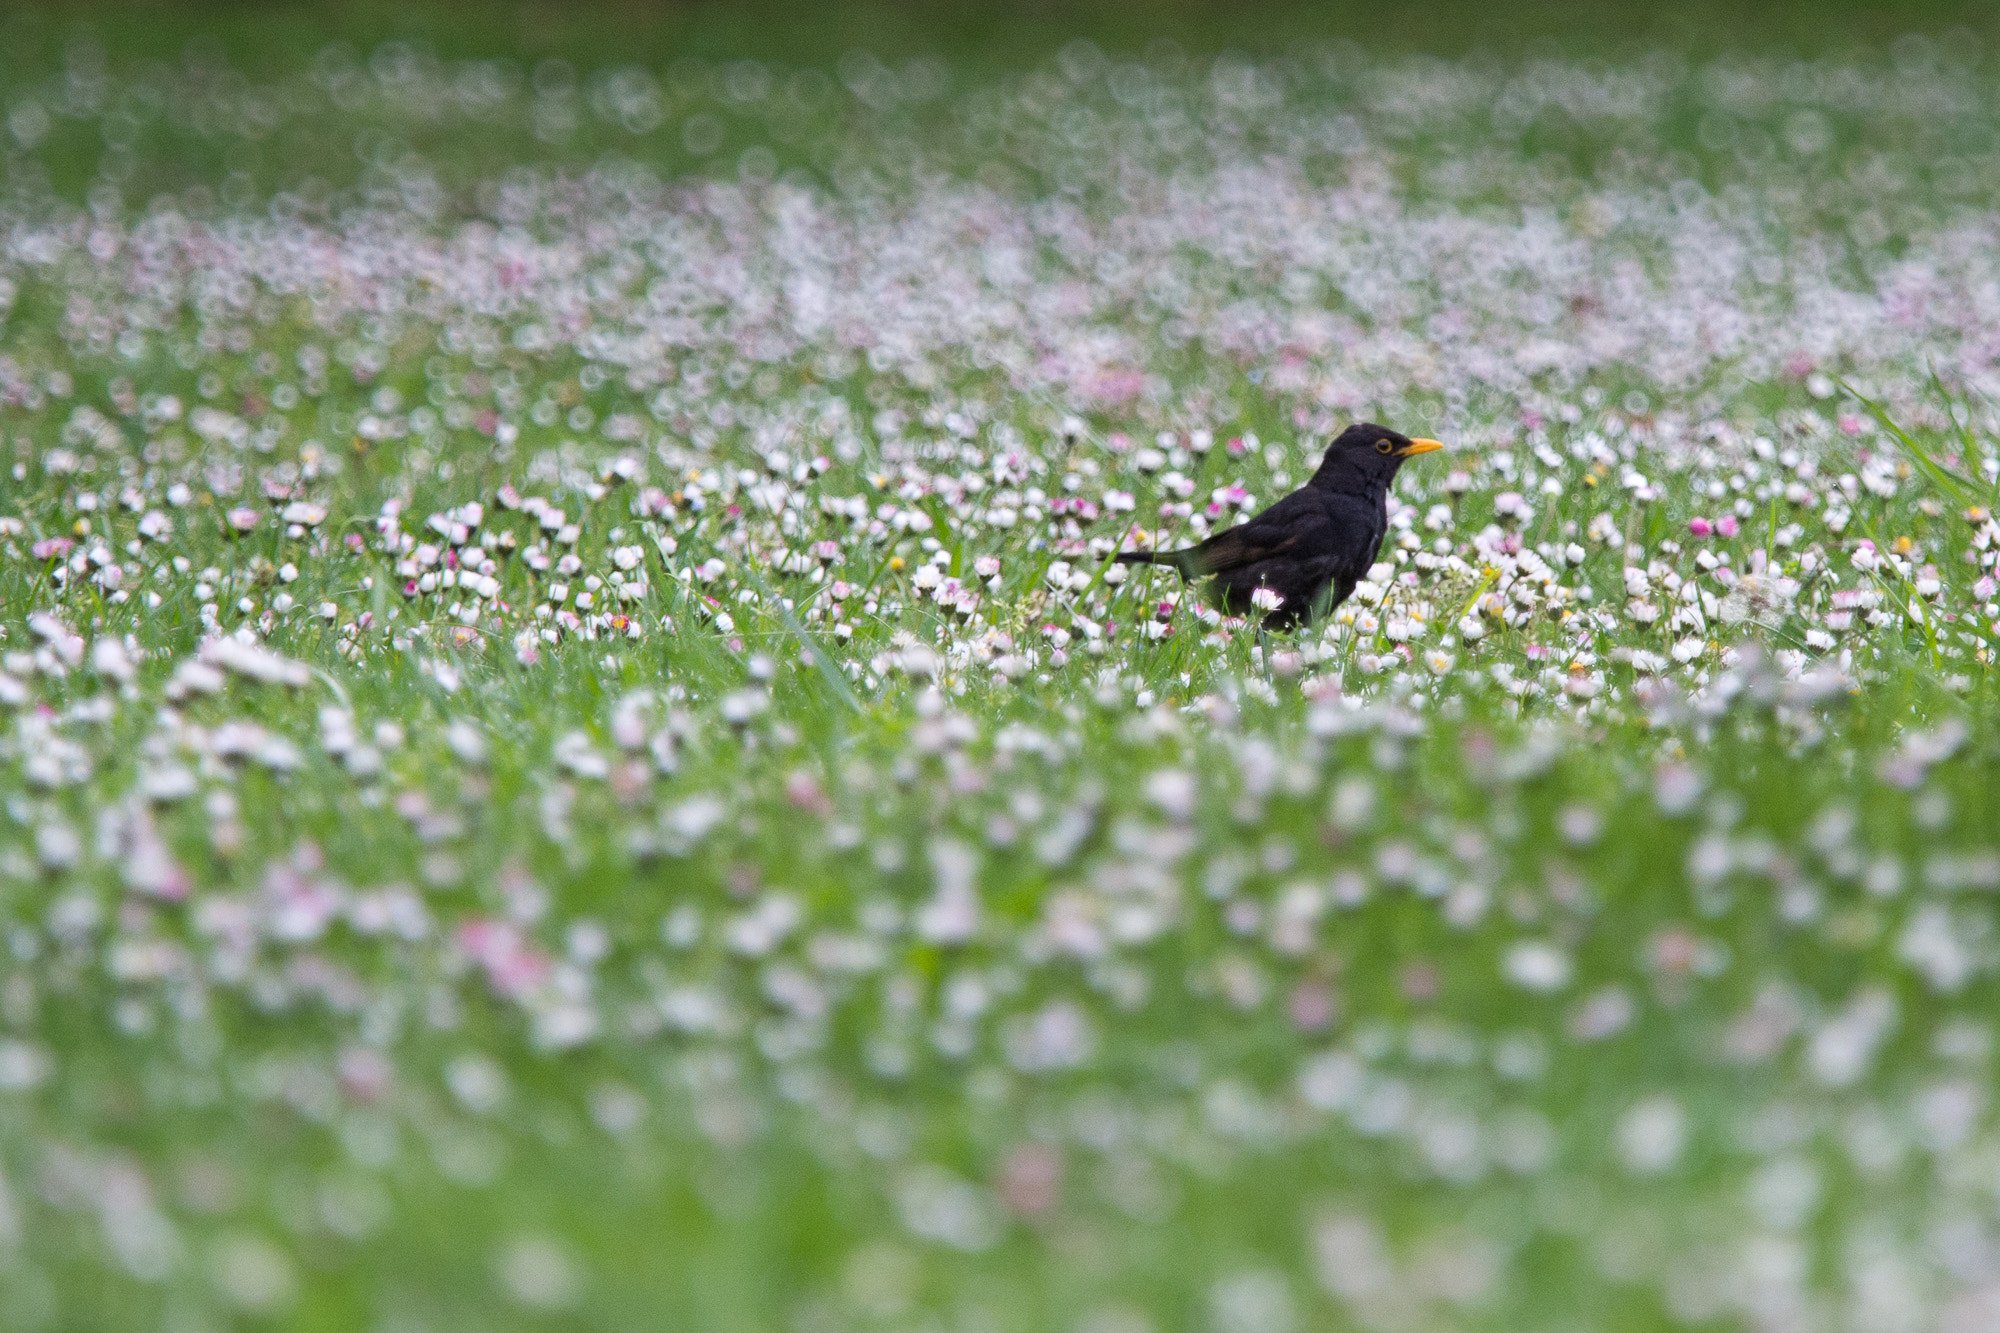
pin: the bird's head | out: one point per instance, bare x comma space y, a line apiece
1365, 456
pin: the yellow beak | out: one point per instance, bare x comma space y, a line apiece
1419, 447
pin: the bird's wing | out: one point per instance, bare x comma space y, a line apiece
1288, 526
1361, 523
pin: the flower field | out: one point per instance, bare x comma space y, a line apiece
574, 754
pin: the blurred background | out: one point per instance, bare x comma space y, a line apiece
546, 74
260, 37
1475, 217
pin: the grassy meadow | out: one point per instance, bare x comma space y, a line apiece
574, 756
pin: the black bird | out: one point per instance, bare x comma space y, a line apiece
1324, 534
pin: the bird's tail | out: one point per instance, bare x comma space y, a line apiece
1181, 561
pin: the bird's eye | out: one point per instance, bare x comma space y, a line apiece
1384, 447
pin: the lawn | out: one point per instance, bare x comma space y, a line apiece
574, 756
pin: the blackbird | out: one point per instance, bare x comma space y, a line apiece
1325, 534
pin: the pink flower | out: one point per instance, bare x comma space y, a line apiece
1118, 386
243, 518
1700, 527
1726, 525
802, 789
52, 548
365, 1075
1030, 1181
512, 964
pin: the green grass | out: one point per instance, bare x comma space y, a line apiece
1603, 957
